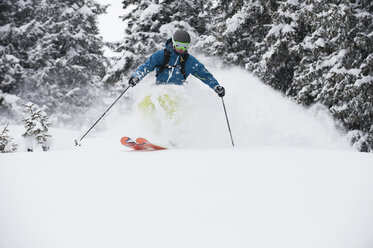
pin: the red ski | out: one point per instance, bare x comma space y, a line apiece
141, 144
144, 142
128, 142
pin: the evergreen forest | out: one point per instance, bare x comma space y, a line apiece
311, 51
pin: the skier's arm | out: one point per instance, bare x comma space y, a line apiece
200, 72
150, 64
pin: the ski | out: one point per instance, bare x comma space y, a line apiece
128, 142
140, 144
144, 142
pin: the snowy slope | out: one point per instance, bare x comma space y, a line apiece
291, 181
226, 197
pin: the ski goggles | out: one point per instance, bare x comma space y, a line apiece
181, 45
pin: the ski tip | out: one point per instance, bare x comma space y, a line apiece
126, 141
142, 141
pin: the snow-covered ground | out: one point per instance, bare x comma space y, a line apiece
224, 197
291, 181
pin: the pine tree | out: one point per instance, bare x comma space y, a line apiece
6, 142
37, 128
68, 59
190, 15
280, 57
315, 51
14, 17
238, 29
52, 53
336, 66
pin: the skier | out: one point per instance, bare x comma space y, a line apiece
174, 64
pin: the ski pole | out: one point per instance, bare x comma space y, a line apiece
77, 143
226, 117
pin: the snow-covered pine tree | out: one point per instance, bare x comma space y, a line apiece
238, 29
14, 17
336, 66
6, 142
37, 128
60, 56
190, 15
67, 61
315, 51
280, 56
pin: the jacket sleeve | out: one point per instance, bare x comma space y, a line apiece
200, 72
156, 59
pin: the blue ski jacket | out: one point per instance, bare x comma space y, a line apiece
172, 74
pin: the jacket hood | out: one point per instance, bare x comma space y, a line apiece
169, 46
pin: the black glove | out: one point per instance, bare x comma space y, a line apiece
133, 81
220, 90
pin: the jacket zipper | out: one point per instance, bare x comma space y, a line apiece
172, 70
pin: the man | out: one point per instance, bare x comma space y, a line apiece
174, 64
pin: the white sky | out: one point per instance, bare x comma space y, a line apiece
110, 25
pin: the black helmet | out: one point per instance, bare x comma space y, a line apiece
181, 36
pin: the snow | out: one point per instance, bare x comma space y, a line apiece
292, 180
24, 3
210, 39
10, 99
75, 6
85, 10
364, 80
334, 59
5, 28
292, 2
12, 58
226, 197
266, 56
149, 11
281, 28
343, 70
68, 11
72, 92
287, 29
234, 22
320, 42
